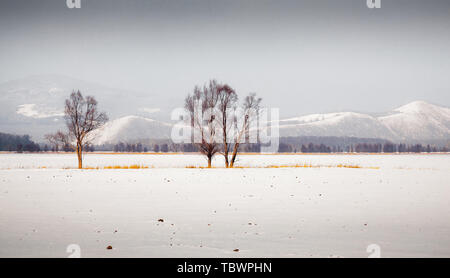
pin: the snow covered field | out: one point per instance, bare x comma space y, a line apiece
399, 202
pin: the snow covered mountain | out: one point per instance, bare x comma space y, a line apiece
131, 129
415, 121
335, 124
418, 120
34, 105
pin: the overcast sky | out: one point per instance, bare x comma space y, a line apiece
300, 56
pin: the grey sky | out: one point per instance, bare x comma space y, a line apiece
301, 56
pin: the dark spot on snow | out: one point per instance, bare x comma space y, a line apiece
236, 250
160, 220
109, 247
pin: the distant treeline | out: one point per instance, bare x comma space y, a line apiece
64, 148
304, 144
23, 143
17, 143
362, 148
331, 144
285, 148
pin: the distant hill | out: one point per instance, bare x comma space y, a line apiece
415, 122
34, 105
131, 129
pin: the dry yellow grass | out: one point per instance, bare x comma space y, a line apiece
319, 166
288, 166
134, 166
148, 153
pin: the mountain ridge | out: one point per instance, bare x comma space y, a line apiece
419, 116
34, 106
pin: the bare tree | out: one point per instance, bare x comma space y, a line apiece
58, 139
52, 139
251, 108
213, 119
190, 104
82, 117
257, 110
201, 107
227, 99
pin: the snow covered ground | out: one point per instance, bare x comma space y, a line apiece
398, 202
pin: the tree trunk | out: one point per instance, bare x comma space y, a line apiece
192, 129
233, 157
209, 161
225, 153
226, 160
80, 156
257, 128
246, 130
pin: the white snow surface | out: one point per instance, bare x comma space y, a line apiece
402, 206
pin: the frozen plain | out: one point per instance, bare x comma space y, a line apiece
399, 202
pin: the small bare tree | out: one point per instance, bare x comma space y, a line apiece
60, 141
50, 139
82, 117
251, 109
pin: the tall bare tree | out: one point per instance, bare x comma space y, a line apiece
190, 104
250, 108
227, 99
213, 119
201, 107
82, 117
